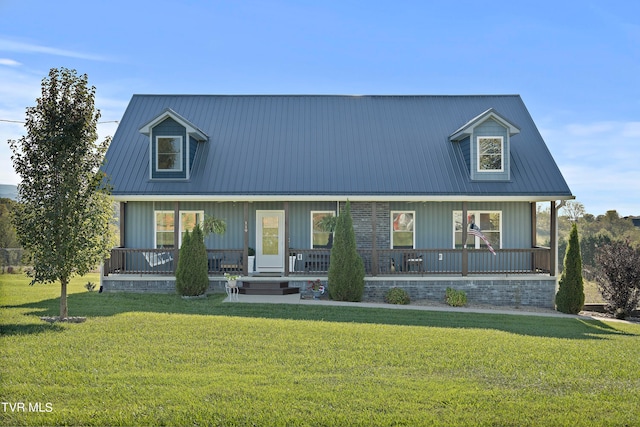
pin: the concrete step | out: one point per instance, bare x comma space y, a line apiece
267, 288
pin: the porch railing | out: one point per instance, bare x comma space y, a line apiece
316, 261
162, 261
431, 261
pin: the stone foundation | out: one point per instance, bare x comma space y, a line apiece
509, 291
158, 285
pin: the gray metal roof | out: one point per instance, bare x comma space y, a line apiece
299, 145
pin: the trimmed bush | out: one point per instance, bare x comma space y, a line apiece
346, 269
570, 296
397, 296
455, 298
192, 274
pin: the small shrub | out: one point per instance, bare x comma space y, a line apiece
397, 296
455, 298
90, 286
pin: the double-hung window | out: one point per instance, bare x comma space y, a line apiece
402, 230
490, 154
169, 153
165, 226
489, 223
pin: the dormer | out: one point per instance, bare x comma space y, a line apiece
485, 141
173, 142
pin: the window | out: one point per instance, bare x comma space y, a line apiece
490, 157
402, 231
169, 153
320, 236
188, 221
164, 226
164, 229
490, 224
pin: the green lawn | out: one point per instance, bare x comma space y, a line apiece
162, 360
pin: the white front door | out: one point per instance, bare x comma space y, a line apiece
270, 241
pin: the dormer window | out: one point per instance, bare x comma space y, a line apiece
169, 153
490, 154
485, 143
173, 145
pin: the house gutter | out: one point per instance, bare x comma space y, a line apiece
337, 197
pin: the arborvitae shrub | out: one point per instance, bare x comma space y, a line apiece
192, 278
346, 269
570, 296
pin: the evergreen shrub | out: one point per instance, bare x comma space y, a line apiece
570, 296
192, 273
346, 269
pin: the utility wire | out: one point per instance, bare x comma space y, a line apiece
20, 122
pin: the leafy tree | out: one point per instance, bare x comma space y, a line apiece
346, 269
588, 248
570, 296
574, 210
63, 215
192, 278
8, 238
619, 277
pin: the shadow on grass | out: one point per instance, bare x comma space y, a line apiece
27, 329
91, 304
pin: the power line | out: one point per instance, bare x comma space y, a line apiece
20, 122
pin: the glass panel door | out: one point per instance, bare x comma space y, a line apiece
269, 241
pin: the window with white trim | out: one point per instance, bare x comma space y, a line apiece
489, 223
320, 237
165, 226
490, 154
169, 153
188, 221
402, 229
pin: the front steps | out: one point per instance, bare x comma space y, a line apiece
267, 288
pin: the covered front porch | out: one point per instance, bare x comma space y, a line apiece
315, 262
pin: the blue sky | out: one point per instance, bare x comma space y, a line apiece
576, 64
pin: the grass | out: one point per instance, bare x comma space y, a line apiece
162, 360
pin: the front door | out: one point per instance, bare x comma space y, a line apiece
270, 241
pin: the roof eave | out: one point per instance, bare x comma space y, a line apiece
338, 197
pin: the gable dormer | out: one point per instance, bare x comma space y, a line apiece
173, 142
485, 141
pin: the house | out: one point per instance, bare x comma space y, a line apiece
434, 183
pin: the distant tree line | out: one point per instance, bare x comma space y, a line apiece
595, 232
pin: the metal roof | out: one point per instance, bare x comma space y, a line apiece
317, 146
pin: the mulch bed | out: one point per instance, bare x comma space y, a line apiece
54, 319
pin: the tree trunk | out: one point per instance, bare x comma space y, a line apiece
64, 313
